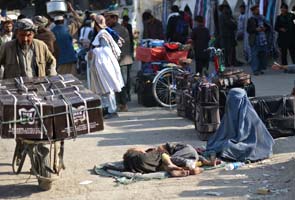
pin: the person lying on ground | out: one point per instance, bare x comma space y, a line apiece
241, 136
287, 68
176, 158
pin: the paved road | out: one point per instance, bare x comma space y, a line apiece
146, 127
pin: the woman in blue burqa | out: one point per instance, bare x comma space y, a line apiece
241, 136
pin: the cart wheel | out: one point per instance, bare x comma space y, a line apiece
42, 166
19, 156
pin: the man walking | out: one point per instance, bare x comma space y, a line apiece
200, 38
257, 28
64, 36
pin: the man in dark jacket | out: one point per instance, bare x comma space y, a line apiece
177, 28
227, 28
286, 28
200, 38
152, 27
257, 27
128, 26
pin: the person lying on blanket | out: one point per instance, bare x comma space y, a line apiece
176, 158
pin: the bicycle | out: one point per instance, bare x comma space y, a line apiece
164, 83
164, 86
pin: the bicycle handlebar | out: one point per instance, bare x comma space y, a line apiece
215, 50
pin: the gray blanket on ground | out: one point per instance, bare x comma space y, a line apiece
116, 170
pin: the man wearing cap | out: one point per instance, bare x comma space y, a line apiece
45, 35
26, 56
126, 60
67, 58
6, 36
105, 72
7, 31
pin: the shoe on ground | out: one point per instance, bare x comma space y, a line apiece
261, 72
105, 111
239, 63
111, 115
257, 73
123, 108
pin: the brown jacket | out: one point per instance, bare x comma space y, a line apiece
45, 61
48, 37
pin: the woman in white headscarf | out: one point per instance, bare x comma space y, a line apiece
105, 73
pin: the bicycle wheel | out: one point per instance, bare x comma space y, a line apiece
40, 159
164, 87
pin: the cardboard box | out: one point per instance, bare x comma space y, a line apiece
75, 114
23, 85
59, 91
20, 118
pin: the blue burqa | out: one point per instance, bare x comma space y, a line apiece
241, 135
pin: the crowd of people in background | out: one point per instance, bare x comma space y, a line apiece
231, 32
103, 39
107, 44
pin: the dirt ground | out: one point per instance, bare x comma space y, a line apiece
146, 127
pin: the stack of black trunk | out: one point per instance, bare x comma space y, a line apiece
207, 118
54, 108
204, 102
144, 89
233, 78
185, 94
144, 83
277, 113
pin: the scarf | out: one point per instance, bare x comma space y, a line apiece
111, 43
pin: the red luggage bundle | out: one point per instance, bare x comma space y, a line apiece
159, 54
